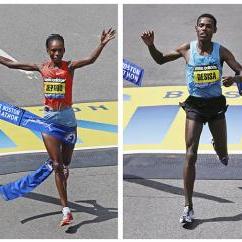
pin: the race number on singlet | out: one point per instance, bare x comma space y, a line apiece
206, 74
54, 88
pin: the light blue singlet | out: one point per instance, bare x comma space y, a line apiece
203, 73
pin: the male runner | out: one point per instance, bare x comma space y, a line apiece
206, 104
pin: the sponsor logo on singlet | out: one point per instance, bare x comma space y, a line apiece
54, 87
206, 74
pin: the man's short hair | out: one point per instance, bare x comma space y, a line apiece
208, 15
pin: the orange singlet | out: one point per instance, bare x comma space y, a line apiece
57, 85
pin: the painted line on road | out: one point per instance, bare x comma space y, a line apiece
44, 151
130, 152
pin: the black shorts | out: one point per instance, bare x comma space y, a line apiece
204, 109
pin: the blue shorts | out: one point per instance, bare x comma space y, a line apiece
65, 117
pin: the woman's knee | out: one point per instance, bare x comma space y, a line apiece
58, 167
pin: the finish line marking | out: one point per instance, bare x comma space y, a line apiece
154, 121
96, 127
44, 151
202, 152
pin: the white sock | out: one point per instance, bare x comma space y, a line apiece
66, 210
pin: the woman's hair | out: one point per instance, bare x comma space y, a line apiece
54, 37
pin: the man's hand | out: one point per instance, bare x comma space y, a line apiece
148, 38
107, 36
228, 80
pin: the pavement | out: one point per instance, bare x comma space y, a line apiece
170, 166
152, 208
92, 194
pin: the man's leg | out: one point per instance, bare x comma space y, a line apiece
218, 130
192, 135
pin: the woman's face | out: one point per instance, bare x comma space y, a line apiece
56, 51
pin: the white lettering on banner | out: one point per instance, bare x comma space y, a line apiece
10, 110
131, 76
9, 116
131, 69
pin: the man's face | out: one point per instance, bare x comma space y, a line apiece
205, 29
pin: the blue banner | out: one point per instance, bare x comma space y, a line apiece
27, 183
23, 118
132, 72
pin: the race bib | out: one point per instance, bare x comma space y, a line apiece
54, 88
206, 74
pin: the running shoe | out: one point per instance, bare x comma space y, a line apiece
67, 219
187, 216
223, 160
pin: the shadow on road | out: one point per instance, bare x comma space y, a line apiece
172, 189
101, 213
197, 222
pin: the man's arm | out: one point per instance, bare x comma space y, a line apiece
105, 38
17, 65
229, 58
159, 57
